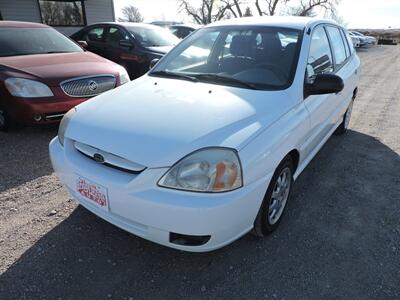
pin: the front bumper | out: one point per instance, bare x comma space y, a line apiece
139, 206
41, 110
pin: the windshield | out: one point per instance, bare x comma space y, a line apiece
258, 56
153, 37
25, 41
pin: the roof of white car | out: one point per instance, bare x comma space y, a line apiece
290, 22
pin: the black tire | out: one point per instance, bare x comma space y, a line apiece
263, 225
343, 127
5, 123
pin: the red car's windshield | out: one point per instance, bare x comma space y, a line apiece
25, 41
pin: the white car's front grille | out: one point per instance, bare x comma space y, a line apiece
108, 159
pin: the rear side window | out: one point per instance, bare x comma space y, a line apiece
346, 45
114, 36
320, 56
338, 47
349, 41
95, 34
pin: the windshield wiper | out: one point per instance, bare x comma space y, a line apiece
174, 75
225, 79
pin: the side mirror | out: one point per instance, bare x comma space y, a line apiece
153, 62
324, 84
83, 44
126, 43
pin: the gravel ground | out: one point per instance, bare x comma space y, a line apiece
339, 239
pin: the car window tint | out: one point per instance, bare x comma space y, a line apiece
338, 48
198, 52
94, 35
260, 55
320, 56
25, 41
114, 36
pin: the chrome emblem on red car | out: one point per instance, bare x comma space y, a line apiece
92, 85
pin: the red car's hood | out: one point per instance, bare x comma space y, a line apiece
53, 68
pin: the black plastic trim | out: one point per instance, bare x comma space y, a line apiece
188, 240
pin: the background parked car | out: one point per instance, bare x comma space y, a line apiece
132, 45
356, 41
364, 39
43, 74
165, 23
183, 30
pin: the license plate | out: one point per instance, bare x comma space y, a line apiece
93, 192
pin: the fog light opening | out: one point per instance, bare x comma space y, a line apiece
37, 118
188, 240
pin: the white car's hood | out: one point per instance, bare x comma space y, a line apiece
156, 121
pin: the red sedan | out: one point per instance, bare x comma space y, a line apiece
43, 74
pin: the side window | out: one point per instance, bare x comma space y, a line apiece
338, 48
114, 36
320, 56
346, 44
349, 42
94, 35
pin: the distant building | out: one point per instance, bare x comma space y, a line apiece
67, 16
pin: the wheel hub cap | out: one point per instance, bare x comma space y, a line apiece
279, 196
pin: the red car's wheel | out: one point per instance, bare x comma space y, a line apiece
5, 121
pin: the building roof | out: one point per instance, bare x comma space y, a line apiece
15, 24
291, 22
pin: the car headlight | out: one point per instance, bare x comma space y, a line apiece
64, 124
123, 77
206, 170
26, 88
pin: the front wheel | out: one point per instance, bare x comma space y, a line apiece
275, 200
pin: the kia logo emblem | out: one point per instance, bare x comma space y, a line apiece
92, 85
98, 158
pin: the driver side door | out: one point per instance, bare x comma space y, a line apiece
320, 107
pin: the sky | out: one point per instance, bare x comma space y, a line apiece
380, 14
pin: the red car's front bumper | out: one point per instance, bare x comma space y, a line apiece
30, 111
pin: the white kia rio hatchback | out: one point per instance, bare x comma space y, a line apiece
206, 146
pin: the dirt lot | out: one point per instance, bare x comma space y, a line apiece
340, 237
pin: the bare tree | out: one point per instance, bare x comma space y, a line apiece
212, 10
272, 6
209, 11
234, 7
307, 7
248, 12
302, 8
131, 14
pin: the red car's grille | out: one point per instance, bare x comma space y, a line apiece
88, 86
